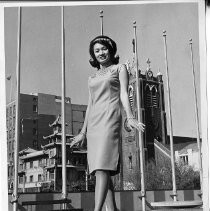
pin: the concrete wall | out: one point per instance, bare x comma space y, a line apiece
51, 105
126, 200
78, 117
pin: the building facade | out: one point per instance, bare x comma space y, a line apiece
42, 170
36, 112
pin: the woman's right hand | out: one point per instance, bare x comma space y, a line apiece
77, 139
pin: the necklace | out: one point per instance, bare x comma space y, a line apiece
103, 71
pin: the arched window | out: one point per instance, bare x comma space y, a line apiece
131, 95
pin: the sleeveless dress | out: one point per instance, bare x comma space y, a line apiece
104, 121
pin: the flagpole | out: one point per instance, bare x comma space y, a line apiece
101, 16
10, 98
17, 119
170, 120
196, 116
141, 144
63, 110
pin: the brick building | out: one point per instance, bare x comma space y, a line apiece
37, 111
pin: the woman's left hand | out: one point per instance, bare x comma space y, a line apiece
134, 123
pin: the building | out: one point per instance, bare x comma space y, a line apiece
42, 170
185, 151
31, 173
187, 154
37, 111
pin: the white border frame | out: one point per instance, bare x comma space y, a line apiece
203, 84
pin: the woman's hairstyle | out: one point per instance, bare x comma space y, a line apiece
109, 43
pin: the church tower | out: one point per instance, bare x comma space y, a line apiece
153, 116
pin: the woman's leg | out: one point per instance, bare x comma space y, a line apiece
102, 184
110, 198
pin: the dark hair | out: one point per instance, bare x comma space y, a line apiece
109, 43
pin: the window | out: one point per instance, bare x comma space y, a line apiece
7, 122
21, 180
131, 94
51, 176
52, 153
10, 122
39, 177
9, 145
13, 121
35, 144
13, 133
40, 163
13, 144
45, 176
34, 131
10, 133
151, 96
82, 161
31, 178
31, 164
184, 159
44, 162
12, 169
21, 167
35, 108
10, 111
130, 161
52, 161
74, 161
79, 161
14, 109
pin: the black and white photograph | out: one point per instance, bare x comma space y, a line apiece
104, 105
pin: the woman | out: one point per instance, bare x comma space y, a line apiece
107, 91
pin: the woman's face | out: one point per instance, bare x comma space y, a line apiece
101, 53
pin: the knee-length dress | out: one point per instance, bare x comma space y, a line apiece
104, 121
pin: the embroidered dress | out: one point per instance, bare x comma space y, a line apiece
104, 120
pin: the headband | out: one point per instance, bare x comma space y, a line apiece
104, 39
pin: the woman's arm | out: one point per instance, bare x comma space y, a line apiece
123, 77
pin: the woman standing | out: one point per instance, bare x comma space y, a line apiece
102, 126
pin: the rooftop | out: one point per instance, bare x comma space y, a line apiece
27, 151
57, 134
183, 147
33, 154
